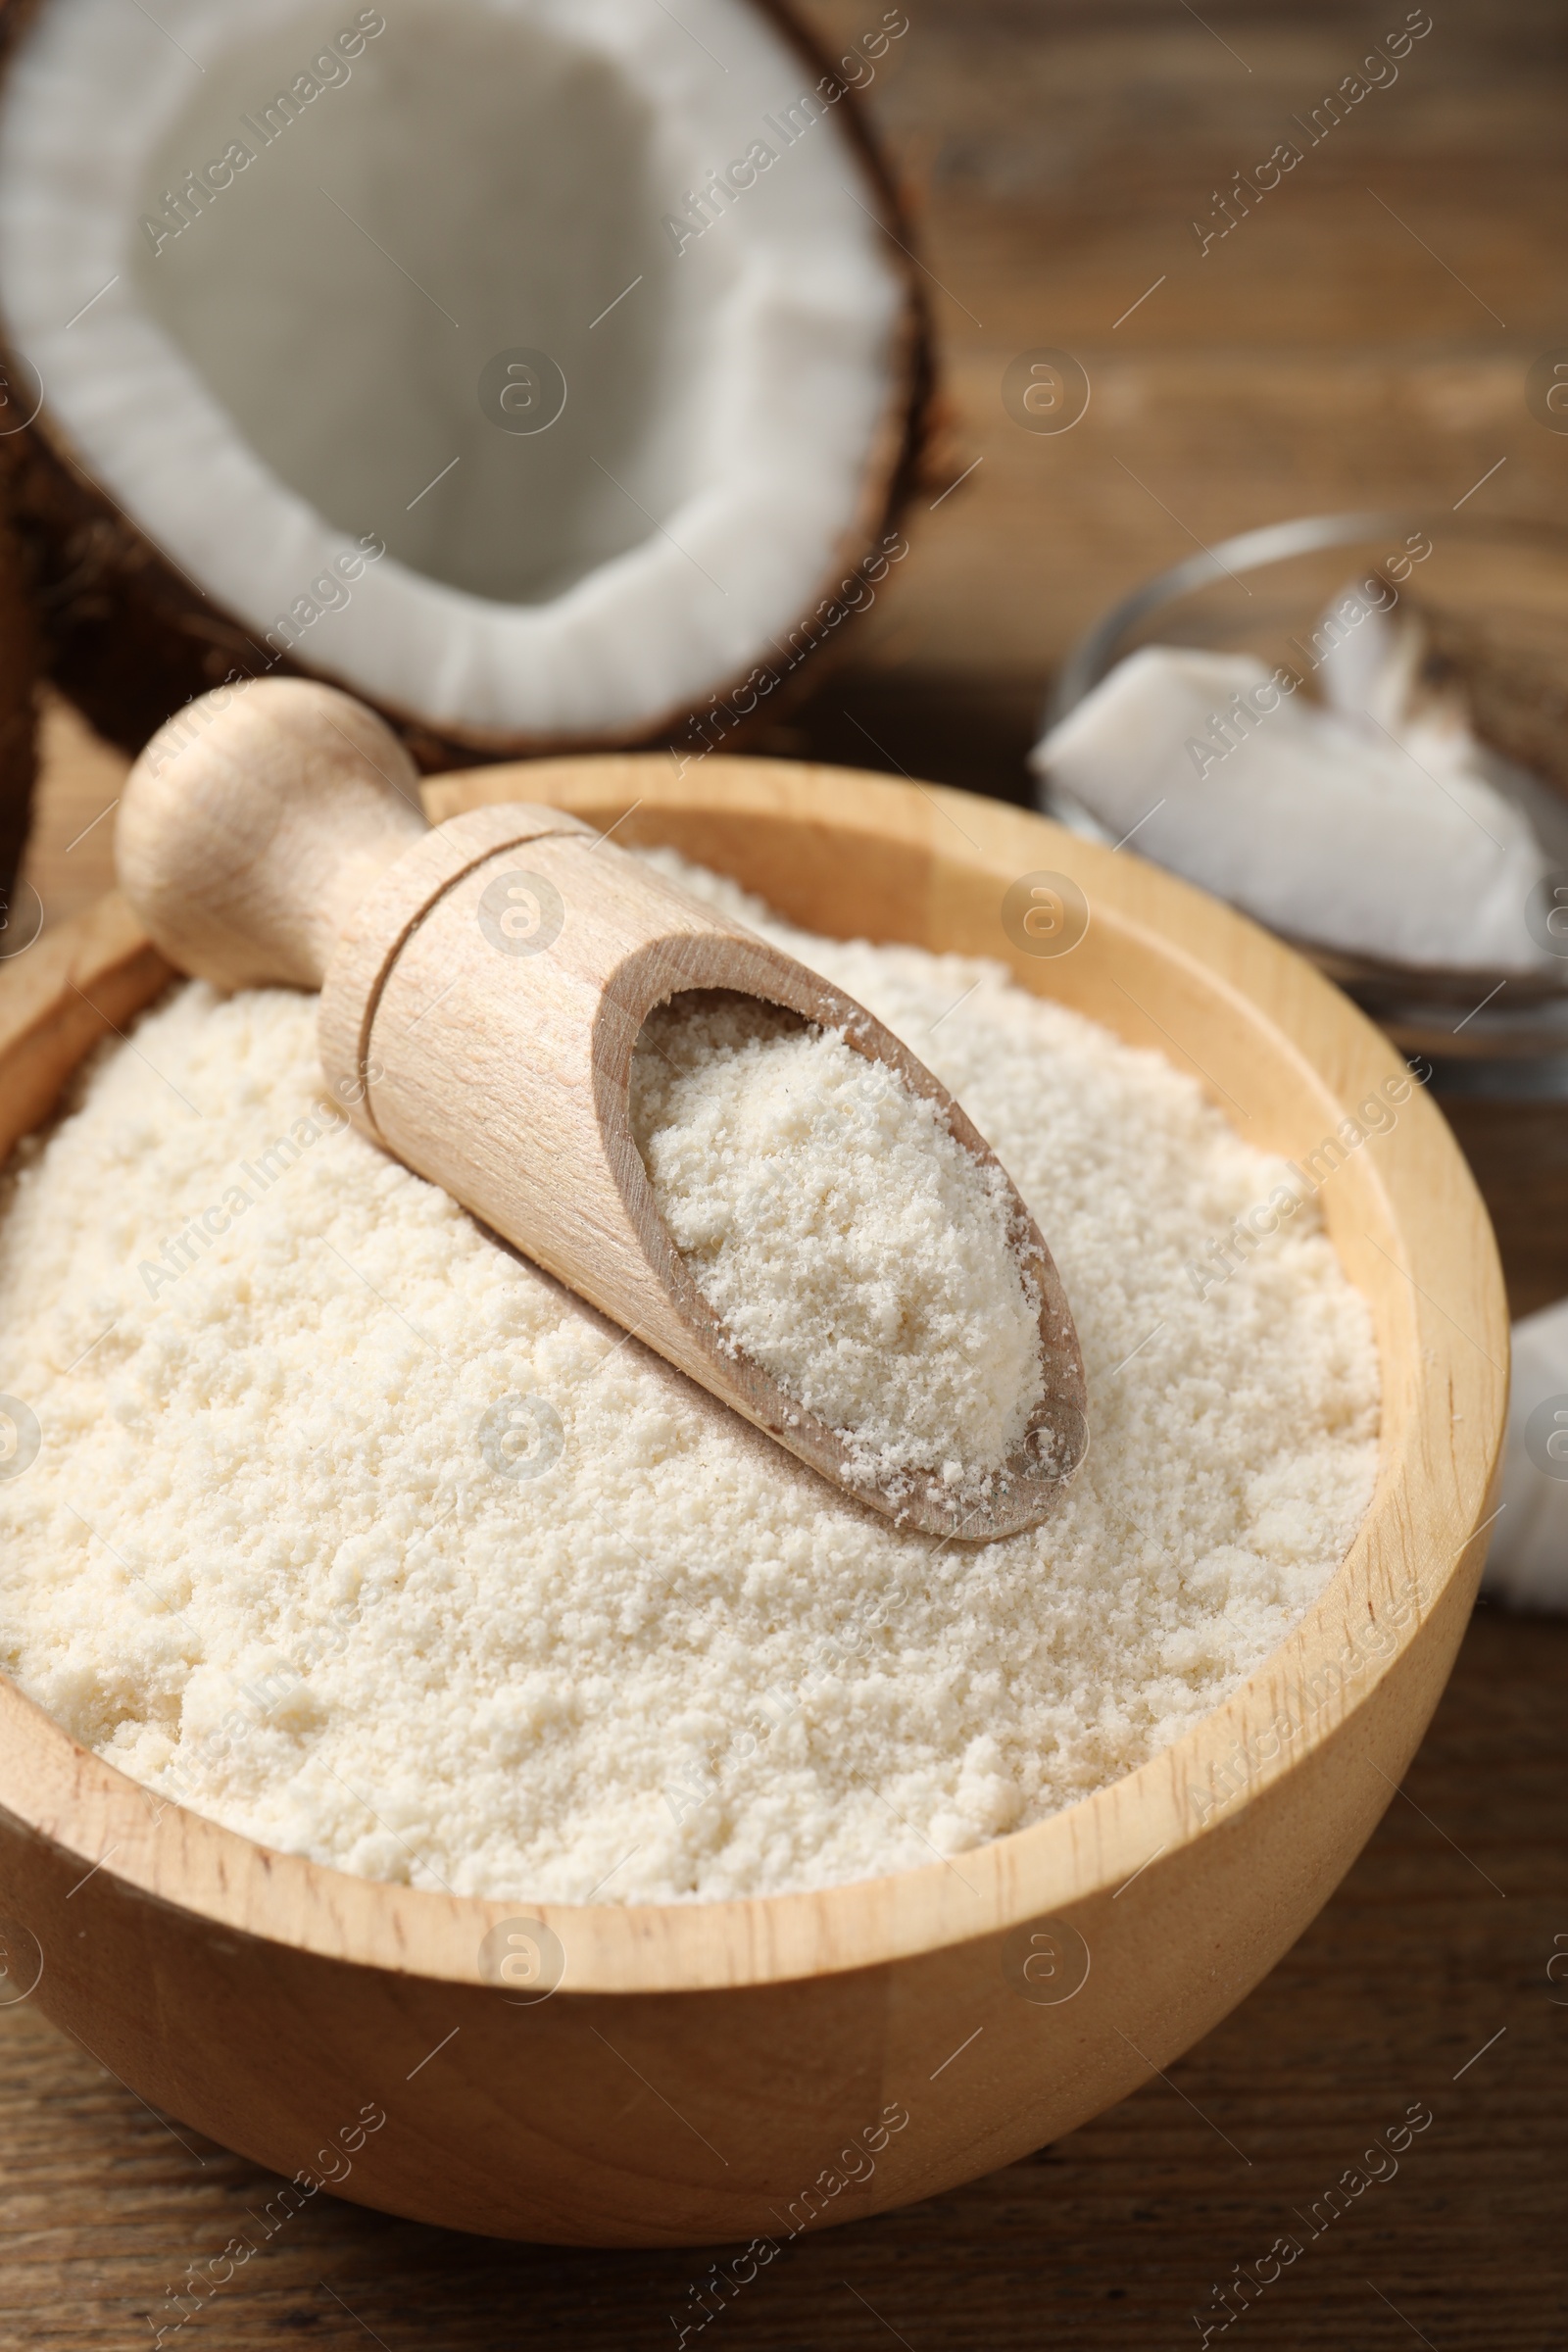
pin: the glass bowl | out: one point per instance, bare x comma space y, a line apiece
1494, 597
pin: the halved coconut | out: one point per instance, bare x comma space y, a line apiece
545, 371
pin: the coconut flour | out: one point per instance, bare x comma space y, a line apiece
842, 1235
340, 1523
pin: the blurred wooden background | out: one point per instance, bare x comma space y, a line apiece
1361, 339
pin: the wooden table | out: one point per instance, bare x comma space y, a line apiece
1337, 349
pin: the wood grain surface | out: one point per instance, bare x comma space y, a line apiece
1326, 354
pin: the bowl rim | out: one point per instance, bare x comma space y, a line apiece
1096, 653
1419, 1535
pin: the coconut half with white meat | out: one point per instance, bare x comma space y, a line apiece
546, 372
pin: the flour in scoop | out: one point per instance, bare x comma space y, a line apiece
844, 1237
334, 1520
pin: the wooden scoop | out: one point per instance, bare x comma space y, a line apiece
482, 989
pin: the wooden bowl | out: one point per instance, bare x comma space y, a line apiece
726, 2071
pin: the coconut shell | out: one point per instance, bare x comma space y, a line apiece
20, 665
130, 638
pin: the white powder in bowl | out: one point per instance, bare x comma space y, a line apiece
362, 1536
842, 1235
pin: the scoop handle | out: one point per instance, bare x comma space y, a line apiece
255, 822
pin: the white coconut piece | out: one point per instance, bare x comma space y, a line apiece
279, 361
1527, 1567
1378, 827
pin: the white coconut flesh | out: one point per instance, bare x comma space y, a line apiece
294, 369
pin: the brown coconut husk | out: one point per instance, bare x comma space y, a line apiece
131, 638
20, 666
